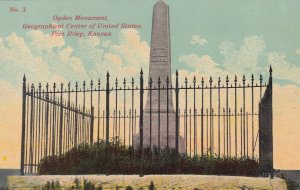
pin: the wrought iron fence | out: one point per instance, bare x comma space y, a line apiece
219, 119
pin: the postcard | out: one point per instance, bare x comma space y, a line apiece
147, 94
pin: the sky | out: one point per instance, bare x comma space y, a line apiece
208, 38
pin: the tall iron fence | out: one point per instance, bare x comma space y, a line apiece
209, 117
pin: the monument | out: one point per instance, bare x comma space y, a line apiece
160, 117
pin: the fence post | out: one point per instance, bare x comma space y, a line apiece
92, 118
107, 108
23, 125
76, 127
141, 113
185, 117
47, 119
53, 121
195, 129
132, 108
61, 118
124, 112
116, 118
202, 112
271, 120
98, 131
177, 117
150, 85
167, 81
92, 126
158, 144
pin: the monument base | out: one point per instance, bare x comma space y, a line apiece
167, 134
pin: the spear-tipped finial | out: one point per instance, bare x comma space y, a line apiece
194, 80
69, 84
185, 80
159, 80
24, 78
151, 81
252, 77
210, 79
83, 83
141, 72
227, 79
270, 70
99, 82
54, 85
91, 82
107, 75
124, 82
176, 72
202, 81
260, 78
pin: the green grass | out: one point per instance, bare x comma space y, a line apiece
113, 158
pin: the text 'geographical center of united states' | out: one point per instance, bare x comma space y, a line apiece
75, 29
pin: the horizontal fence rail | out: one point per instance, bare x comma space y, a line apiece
209, 118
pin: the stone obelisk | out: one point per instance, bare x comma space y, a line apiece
160, 114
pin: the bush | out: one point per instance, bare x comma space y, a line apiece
113, 158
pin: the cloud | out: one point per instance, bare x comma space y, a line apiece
283, 69
16, 58
200, 63
298, 51
89, 42
65, 54
42, 58
131, 49
41, 41
245, 58
199, 40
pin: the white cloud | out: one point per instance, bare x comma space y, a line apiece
133, 52
298, 51
65, 54
16, 58
283, 69
197, 39
41, 61
89, 42
244, 59
202, 65
41, 41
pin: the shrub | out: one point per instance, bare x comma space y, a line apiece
114, 158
